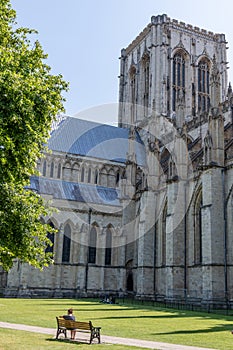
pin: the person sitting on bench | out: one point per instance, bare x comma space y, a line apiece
70, 316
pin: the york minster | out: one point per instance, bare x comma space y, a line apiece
146, 208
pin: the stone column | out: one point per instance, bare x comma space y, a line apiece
212, 233
175, 242
146, 246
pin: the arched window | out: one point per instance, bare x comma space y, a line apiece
132, 78
66, 244
96, 176
82, 174
67, 171
129, 282
129, 275
164, 236
59, 171
203, 85
44, 168
117, 178
111, 178
92, 246
89, 175
75, 172
50, 235
146, 83
108, 248
171, 168
104, 177
178, 78
198, 229
51, 169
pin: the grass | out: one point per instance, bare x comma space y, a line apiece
132, 321
18, 340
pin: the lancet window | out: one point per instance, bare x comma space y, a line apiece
203, 85
178, 78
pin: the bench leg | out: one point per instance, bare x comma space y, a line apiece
95, 333
61, 331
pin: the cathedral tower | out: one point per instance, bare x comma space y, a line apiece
167, 67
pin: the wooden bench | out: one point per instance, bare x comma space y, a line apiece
85, 327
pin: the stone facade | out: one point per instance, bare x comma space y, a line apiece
164, 229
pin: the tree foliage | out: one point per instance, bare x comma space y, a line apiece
30, 99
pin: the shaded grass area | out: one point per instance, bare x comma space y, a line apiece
131, 321
17, 340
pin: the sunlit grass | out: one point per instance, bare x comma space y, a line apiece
132, 321
18, 340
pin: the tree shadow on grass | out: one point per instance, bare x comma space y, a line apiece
143, 317
220, 328
88, 310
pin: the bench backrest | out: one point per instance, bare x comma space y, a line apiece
62, 323
82, 325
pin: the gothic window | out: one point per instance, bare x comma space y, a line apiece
164, 235
129, 282
146, 83
96, 176
51, 169
59, 171
50, 235
75, 172
67, 171
82, 174
129, 274
117, 178
203, 86
66, 244
198, 229
89, 175
193, 100
108, 249
172, 172
44, 168
104, 177
132, 98
92, 246
111, 178
178, 78
133, 84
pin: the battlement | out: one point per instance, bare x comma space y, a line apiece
174, 23
160, 19
199, 31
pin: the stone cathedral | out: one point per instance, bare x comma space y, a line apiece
146, 208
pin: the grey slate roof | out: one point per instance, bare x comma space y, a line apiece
86, 138
80, 192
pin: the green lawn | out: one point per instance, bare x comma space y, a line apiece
18, 340
132, 321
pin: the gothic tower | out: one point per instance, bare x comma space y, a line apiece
166, 66
173, 84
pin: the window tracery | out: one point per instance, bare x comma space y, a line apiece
108, 249
178, 77
146, 82
66, 244
51, 169
203, 85
198, 229
92, 246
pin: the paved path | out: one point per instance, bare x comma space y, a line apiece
106, 339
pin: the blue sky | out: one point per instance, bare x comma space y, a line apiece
84, 38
